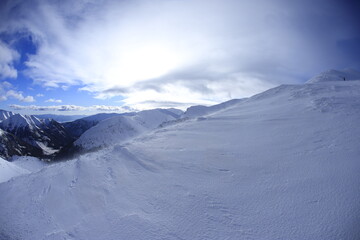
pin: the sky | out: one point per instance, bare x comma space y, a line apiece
89, 56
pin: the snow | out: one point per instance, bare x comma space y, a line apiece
336, 75
197, 111
121, 128
9, 170
46, 149
100, 116
283, 164
31, 164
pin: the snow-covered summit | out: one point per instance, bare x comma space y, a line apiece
123, 127
336, 75
20, 121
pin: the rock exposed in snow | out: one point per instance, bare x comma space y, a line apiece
46, 134
11, 145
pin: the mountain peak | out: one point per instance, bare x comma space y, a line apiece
347, 74
5, 114
20, 121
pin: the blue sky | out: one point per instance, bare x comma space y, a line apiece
87, 56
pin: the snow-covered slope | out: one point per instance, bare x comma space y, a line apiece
281, 165
9, 170
197, 111
29, 163
336, 75
121, 128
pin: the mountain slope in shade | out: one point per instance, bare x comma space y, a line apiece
60, 118
283, 164
336, 75
121, 128
5, 114
11, 145
45, 134
78, 127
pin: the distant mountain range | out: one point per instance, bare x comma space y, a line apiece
34, 135
30, 135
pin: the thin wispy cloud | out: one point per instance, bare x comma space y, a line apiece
7, 58
197, 51
51, 100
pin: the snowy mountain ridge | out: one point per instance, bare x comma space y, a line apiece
124, 127
336, 75
199, 110
17, 121
5, 114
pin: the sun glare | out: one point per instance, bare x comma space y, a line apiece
147, 62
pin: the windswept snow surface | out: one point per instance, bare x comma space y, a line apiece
281, 165
31, 164
199, 110
9, 170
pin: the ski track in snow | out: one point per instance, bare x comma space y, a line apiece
281, 165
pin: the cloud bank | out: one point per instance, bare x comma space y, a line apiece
198, 51
72, 108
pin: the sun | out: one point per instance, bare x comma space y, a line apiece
142, 63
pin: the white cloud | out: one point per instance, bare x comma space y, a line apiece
19, 96
7, 57
54, 100
39, 95
193, 47
6, 92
